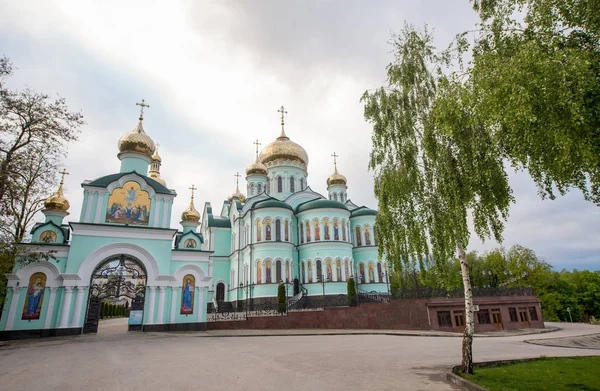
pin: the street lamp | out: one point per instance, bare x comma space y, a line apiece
569, 311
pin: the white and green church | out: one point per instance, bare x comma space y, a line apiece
122, 248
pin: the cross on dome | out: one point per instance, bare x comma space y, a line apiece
143, 104
193, 188
283, 113
257, 144
63, 173
335, 156
237, 179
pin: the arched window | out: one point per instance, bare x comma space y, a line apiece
362, 273
278, 231
252, 189
329, 270
258, 231
336, 230
341, 197
338, 269
319, 271
278, 271
379, 272
287, 271
279, 184
286, 231
303, 273
307, 231
317, 231
367, 236
292, 184
326, 229
374, 236
309, 271
259, 272
358, 239
371, 273
220, 292
344, 230
302, 233
267, 229
346, 269
335, 196
269, 272
301, 183
259, 188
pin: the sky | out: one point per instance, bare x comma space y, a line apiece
214, 75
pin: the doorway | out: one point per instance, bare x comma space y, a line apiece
220, 292
117, 287
497, 319
524, 318
459, 321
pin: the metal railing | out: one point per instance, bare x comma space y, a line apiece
425, 293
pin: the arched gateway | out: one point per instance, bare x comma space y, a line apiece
119, 280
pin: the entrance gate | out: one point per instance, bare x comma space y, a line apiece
120, 279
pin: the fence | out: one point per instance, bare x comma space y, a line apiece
425, 293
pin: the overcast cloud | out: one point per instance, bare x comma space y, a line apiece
214, 74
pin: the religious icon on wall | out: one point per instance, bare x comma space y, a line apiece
309, 271
258, 231
35, 297
367, 236
307, 231
362, 273
190, 243
268, 267
346, 268
358, 241
48, 236
303, 273
326, 229
287, 271
371, 273
329, 271
187, 295
128, 205
286, 231
343, 231
258, 272
338, 269
268, 230
336, 231
317, 231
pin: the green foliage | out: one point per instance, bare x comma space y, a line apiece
281, 298
351, 287
563, 374
535, 80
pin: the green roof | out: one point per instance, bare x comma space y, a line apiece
108, 179
272, 203
218, 222
363, 211
320, 204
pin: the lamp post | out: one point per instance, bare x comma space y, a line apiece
569, 311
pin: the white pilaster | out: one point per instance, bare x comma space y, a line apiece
200, 301
66, 309
99, 207
174, 290
78, 305
165, 223
50, 311
13, 307
151, 301
162, 291
88, 209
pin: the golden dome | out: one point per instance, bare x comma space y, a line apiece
336, 179
137, 141
156, 176
283, 149
156, 157
190, 215
57, 201
256, 168
237, 194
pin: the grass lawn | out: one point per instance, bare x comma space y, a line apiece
556, 374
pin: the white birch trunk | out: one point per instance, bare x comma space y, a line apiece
467, 345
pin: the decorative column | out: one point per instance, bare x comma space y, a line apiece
162, 291
151, 293
174, 290
78, 305
64, 318
50, 310
13, 307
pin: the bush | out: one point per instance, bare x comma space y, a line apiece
281, 299
352, 299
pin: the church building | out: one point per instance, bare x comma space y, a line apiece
123, 250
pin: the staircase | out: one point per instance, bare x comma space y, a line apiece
373, 297
297, 301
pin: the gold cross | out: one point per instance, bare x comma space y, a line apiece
335, 156
193, 188
143, 104
237, 179
257, 144
63, 173
283, 113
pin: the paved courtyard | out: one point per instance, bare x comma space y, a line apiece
304, 362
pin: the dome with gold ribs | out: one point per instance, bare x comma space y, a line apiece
57, 201
256, 168
156, 157
156, 176
191, 215
336, 179
283, 149
137, 141
237, 194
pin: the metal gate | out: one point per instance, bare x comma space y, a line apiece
122, 278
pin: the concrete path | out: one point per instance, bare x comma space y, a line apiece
153, 361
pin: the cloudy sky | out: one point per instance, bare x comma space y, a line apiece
215, 73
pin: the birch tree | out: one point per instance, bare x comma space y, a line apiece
435, 165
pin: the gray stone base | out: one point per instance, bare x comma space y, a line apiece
7, 335
175, 327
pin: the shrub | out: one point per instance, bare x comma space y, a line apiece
352, 301
281, 299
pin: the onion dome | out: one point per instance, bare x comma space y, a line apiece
283, 148
137, 141
256, 168
156, 157
191, 215
156, 176
336, 179
58, 201
237, 194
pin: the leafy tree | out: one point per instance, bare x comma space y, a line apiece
434, 165
535, 76
351, 287
281, 298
